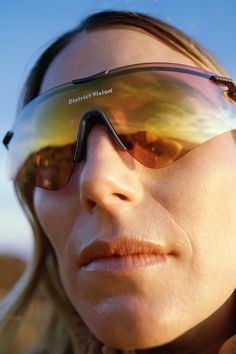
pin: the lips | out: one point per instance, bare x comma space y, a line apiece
122, 248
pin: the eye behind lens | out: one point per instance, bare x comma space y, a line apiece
154, 151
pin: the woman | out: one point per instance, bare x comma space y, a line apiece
135, 240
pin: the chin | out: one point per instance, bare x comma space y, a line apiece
137, 337
138, 329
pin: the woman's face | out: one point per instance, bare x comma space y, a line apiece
112, 202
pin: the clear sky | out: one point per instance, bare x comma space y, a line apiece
27, 26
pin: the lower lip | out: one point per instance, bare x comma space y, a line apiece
125, 263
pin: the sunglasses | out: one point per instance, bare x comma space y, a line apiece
157, 112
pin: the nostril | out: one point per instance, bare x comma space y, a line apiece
89, 204
121, 196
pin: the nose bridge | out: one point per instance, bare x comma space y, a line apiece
105, 179
88, 120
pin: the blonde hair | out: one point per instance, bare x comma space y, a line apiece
65, 332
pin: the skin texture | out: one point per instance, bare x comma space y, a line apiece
189, 206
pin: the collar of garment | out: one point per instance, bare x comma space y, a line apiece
229, 346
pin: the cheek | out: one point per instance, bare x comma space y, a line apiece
201, 196
59, 214
54, 212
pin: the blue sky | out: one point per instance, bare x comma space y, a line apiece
27, 26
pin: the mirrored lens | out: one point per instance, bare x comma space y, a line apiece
165, 114
43, 145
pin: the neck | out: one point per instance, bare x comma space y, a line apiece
205, 338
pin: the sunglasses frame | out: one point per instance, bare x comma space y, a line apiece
98, 116
159, 66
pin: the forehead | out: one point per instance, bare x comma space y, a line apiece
95, 51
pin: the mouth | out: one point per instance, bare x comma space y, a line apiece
124, 254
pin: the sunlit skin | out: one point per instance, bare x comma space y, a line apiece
186, 304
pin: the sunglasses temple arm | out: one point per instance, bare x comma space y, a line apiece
7, 138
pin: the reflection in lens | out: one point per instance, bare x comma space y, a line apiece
50, 167
179, 112
154, 151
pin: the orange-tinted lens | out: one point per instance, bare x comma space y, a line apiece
158, 115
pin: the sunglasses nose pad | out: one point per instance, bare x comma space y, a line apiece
88, 120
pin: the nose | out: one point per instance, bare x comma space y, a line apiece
106, 179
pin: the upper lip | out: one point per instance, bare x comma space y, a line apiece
120, 247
